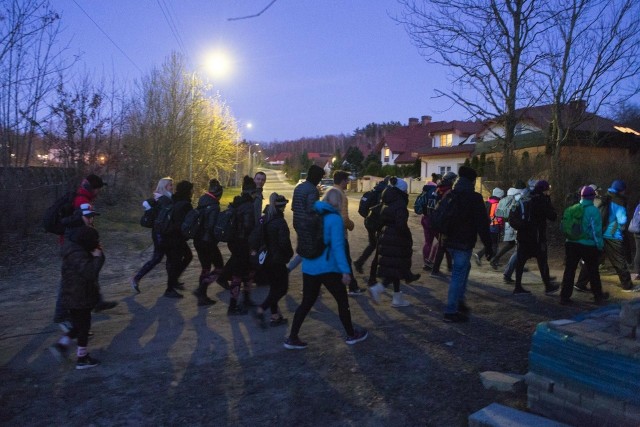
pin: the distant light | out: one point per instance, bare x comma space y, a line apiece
219, 64
626, 130
249, 125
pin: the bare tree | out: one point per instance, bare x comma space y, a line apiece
593, 60
490, 49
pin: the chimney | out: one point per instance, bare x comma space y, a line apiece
426, 120
413, 121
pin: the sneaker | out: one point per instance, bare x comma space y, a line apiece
86, 362
238, 310
602, 298
172, 293
427, 267
279, 321
436, 274
507, 279
59, 351
455, 318
358, 335
358, 266
633, 289
203, 299
294, 344
357, 292
521, 291
551, 289
375, 291
135, 285
580, 288
477, 259
65, 326
104, 305
412, 278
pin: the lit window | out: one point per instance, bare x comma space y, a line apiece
446, 140
387, 152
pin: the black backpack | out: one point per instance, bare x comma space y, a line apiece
442, 216
367, 201
225, 226
520, 217
61, 208
163, 223
149, 216
422, 203
192, 226
373, 221
315, 246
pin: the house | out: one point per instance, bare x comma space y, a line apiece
440, 146
278, 159
589, 134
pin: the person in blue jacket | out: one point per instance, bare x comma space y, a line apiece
330, 269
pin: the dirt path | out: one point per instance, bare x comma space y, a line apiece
168, 362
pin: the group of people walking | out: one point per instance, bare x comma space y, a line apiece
260, 242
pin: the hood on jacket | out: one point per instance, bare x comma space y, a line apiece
323, 207
513, 191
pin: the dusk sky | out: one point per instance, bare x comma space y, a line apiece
303, 68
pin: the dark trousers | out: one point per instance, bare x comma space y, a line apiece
368, 250
441, 253
373, 270
81, 321
614, 251
278, 285
310, 291
178, 259
353, 285
156, 258
209, 255
503, 250
540, 254
591, 256
495, 241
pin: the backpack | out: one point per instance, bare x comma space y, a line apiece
316, 246
634, 225
373, 221
149, 216
163, 223
367, 201
421, 204
225, 226
441, 218
505, 206
571, 224
61, 208
193, 223
520, 217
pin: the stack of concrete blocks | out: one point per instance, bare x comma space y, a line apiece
586, 371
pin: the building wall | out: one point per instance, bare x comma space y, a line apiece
433, 165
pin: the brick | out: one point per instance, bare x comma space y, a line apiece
499, 415
492, 380
629, 314
571, 396
538, 382
584, 390
601, 402
628, 331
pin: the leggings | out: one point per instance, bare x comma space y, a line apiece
81, 320
156, 258
310, 291
278, 285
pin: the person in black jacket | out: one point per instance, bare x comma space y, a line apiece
241, 271
82, 260
532, 237
469, 220
279, 252
304, 196
178, 253
205, 244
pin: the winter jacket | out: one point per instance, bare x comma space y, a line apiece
83, 196
470, 218
541, 211
277, 238
174, 236
80, 271
617, 219
395, 244
592, 226
257, 204
334, 257
211, 206
245, 216
491, 205
304, 197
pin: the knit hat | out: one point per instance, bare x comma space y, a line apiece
248, 185
183, 190
498, 192
95, 181
215, 188
588, 193
401, 185
278, 200
87, 210
447, 179
541, 186
617, 186
468, 173
87, 237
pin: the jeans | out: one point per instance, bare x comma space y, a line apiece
459, 277
511, 265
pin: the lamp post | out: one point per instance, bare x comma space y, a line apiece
251, 159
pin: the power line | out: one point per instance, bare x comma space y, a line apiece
172, 26
109, 38
253, 16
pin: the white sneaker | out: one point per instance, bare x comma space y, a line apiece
399, 301
375, 291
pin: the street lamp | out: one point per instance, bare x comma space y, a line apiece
250, 159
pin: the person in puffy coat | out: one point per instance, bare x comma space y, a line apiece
82, 259
395, 243
279, 252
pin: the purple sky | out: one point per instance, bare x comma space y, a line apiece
303, 68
